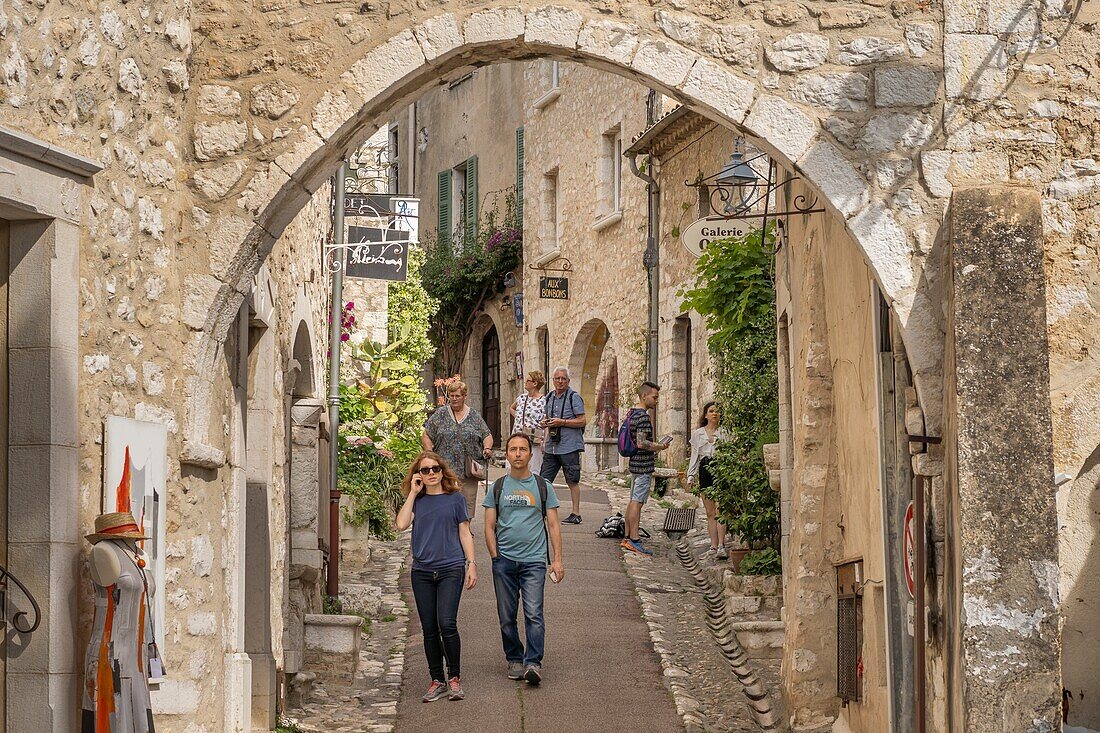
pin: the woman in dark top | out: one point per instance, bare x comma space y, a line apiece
443, 561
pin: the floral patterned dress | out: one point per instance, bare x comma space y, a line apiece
454, 441
529, 413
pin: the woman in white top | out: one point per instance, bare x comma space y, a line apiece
528, 411
704, 440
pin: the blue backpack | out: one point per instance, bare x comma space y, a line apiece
627, 447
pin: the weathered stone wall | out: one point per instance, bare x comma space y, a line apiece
825, 293
679, 413
607, 285
1010, 679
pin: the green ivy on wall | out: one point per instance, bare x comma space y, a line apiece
464, 278
734, 291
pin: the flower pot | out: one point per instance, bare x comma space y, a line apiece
736, 556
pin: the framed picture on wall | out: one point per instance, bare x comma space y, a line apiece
135, 474
519, 365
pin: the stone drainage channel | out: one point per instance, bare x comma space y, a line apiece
718, 622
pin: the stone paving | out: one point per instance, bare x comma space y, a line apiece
370, 704
707, 694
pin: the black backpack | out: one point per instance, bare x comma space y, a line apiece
544, 490
613, 527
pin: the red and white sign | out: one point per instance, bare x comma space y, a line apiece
908, 551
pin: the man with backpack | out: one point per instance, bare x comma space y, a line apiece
521, 528
636, 443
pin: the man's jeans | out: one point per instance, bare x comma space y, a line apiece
512, 579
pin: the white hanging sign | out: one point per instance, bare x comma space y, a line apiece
701, 232
406, 214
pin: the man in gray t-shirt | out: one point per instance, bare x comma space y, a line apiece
564, 421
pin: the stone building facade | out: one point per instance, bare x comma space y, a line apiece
179, 141
459, 150
584, 219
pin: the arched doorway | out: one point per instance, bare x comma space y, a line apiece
490, 380
594, 367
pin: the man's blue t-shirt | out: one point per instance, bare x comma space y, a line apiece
566, 406
521, 536
435, 544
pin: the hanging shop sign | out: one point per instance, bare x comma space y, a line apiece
517, 309
373, 255
554, 288
367, 204
406, 217
701, 232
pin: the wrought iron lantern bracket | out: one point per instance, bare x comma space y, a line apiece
738, 191
566, 265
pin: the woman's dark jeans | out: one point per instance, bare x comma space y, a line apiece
437, 594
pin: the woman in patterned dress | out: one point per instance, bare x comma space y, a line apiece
459, 434
527, 412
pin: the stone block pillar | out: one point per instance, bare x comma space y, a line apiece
305, 555
1002, 525
43, 530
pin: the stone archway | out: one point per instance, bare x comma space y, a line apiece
473, 372
595, 370
256, 188
256, 177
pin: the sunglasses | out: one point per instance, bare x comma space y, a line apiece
427, 470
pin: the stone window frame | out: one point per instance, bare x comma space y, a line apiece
553, 78
609, 179
41, 194
550, 223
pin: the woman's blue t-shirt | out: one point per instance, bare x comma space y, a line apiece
435, 544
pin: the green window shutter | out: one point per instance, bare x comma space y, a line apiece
443, 227
471, 199
519, 178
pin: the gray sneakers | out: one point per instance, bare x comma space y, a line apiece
436, 691
721, 553
533, 674
515, 670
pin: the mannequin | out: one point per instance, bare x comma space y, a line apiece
122, 652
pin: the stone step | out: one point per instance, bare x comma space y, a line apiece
761, 639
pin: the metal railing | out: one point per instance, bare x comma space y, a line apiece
19, 620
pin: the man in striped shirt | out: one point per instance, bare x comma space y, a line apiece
641, 463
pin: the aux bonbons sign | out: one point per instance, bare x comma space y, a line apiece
701, 232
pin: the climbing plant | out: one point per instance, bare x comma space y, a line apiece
734, 291
382, 402
463, 277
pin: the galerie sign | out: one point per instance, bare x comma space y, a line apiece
701, 232
554, 288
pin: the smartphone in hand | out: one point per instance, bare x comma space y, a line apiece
666, 440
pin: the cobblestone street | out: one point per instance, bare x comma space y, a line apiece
687, 662
370, 705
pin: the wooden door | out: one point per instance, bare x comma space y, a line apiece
490, 381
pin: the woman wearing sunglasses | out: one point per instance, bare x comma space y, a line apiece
443, 561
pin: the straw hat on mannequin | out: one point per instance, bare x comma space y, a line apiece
121, 528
